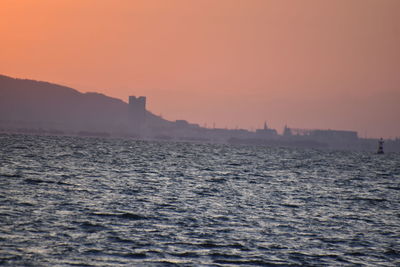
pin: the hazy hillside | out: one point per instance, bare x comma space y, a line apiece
35, 104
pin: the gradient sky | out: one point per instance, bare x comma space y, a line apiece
235, 63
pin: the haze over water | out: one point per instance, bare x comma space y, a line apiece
109, 202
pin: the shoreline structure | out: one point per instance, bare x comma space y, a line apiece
33, 107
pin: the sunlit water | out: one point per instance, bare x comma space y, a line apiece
108, 202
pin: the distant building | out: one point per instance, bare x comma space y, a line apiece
266, 132
334, 135
322, 135
181, 123
137, 111
287, 132
185, 124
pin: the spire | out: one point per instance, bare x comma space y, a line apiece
287, 131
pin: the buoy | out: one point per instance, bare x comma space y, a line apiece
380, 147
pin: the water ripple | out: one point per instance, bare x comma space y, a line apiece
110, 202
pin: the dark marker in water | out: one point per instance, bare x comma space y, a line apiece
380, 147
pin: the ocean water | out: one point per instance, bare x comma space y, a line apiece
69, 201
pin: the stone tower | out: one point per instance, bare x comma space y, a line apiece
137, 111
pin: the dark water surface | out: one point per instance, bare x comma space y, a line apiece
67, 201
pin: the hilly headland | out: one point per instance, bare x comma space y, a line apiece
30, 106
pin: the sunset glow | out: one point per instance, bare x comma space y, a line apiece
232, 63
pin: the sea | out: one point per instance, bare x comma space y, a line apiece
74, 201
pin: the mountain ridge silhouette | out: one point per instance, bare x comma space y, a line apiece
30, 103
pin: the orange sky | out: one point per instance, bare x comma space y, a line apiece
308, 64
